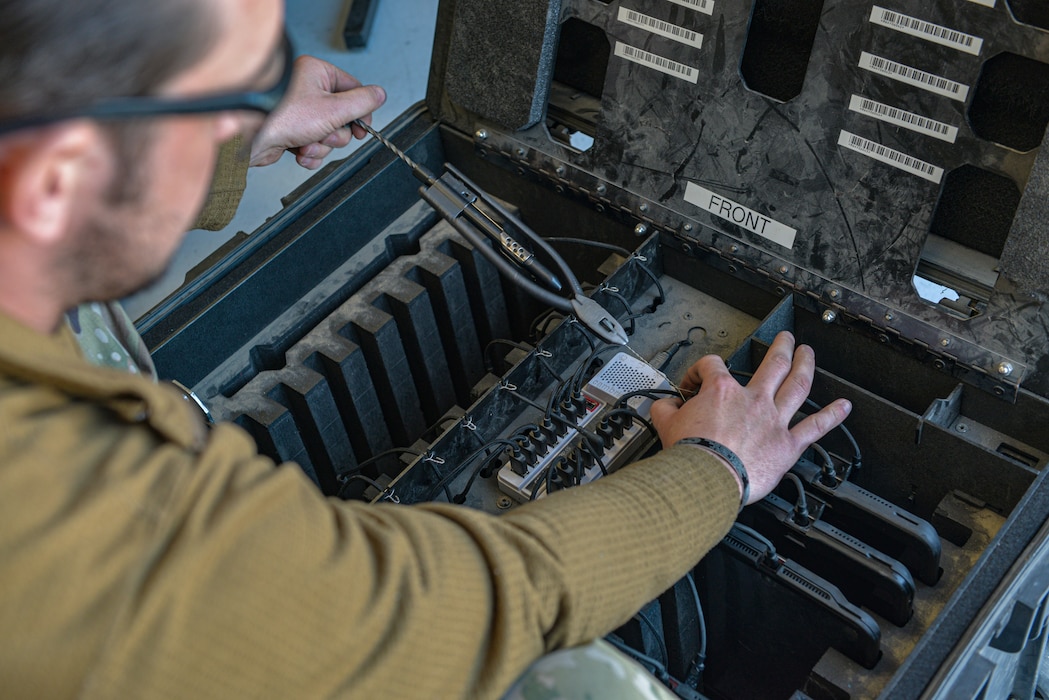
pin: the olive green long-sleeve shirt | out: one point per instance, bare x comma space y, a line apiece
144, 557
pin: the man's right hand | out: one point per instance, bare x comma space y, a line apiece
754, 421
312, 119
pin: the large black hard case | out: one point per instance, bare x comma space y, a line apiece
776, 164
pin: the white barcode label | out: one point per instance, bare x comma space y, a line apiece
740, 215
900, 117
658, 26
926, 30
890, 156
985, 3
915, 77
704, 6
663, 65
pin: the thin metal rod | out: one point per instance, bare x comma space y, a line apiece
417, 170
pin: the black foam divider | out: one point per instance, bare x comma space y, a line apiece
276, 434
309, 397
383, 346
483, 286
409, 304
343, 364
443, 279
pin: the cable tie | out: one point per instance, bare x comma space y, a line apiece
641, 258
608, 288
431, 457
544, 353
389, 495
508, 386
468, 423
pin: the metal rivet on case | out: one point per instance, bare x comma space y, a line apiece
481, 134
829, 316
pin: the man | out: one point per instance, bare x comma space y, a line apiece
144, 556
309, 123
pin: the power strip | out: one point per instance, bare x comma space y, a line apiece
622, 375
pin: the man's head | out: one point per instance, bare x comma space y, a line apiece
94, 209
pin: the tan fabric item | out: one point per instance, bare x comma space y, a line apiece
227, 186
144, 557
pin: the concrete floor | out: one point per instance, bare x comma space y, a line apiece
397, 57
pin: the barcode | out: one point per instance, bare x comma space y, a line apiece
900, 117
658, 26
661, 64
926, 30
891, 156
704, 6
913, 76
662, 26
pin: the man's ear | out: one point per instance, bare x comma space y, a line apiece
43, 177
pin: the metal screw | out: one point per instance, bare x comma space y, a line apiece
962, 428
733, 248
834, 293
688, 227
945, 342
783, 269
829, 316
643, 208
560, 170
640, 230
481, 134
521, 152
504, 503
889, 317
601, 189
1005, 368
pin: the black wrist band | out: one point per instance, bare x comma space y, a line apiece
730, 456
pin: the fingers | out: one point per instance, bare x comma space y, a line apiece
707, 367
662, 411
776, 366
814, 427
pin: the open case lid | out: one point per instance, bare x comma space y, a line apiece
835, 148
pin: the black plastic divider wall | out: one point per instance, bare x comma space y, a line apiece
383, 367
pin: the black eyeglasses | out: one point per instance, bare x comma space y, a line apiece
151, 106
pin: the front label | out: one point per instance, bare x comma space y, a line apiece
890, 156
913, 76
658, 26
726, 209
651, 60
